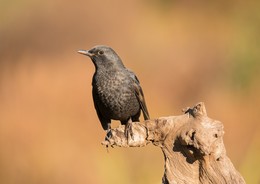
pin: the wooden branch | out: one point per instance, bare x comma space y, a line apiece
192, 145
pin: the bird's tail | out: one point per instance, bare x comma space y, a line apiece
144, 107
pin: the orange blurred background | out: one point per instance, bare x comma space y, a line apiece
183, 52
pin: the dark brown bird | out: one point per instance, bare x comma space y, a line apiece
117, 93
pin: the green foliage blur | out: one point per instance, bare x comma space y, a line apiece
183, 52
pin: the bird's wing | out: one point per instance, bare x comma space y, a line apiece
139, 94
104, 122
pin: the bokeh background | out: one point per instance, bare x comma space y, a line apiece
182, 51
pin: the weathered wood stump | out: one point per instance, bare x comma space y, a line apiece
192, 145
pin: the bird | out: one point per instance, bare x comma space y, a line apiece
116, 90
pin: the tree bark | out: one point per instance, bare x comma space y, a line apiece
192, 145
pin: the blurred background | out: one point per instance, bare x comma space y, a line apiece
183, 52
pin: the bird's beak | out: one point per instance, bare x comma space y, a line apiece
86, 52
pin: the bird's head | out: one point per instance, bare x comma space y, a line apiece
103, 56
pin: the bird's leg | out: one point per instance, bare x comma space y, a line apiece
128, 129
108, 132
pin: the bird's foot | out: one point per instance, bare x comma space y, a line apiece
129, 130
108, 135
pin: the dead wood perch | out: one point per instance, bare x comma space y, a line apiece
192, 145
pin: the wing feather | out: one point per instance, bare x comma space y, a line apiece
104, 122
140, 95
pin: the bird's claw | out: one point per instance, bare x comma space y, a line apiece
129, 131
108, 135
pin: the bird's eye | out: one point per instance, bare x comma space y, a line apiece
100, 52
